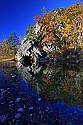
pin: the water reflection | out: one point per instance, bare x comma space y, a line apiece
55, 82
42, 96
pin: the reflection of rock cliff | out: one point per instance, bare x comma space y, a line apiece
55, 82
27, 72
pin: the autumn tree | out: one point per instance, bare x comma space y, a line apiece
64, 24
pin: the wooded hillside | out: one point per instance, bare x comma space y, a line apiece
63, 27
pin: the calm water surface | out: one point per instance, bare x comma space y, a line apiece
50, 94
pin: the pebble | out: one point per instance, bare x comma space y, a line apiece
39, 99
17, 122
2, 94
13, 76
18, 99
10, 102
2, 118
30, 107
10, 123
3, 103
3, 91
1, 97
40, 112
8, 88
13, 120
24, 106
30, 114
9, 106
20, 110
17, 115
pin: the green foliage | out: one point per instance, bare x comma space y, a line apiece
13, 41
43, 10
30, 33
9, 46
60, 11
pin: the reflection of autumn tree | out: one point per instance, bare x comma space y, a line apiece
58, 83
66, 85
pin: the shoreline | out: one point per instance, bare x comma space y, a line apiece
4, 60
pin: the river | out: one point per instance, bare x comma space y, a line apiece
50, 94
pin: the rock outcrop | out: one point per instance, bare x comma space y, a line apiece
55, 32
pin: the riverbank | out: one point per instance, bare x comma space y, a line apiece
6, 58
7, 62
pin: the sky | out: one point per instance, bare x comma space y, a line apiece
15, 15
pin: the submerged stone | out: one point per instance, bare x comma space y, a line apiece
2, 118
30, 108
10, 102
8, 88
13, 76
18, 99
18, 115
3, 103
31, 115
39, 99
20, 109
2, 90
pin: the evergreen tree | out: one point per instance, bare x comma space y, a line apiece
13, 41
43, 10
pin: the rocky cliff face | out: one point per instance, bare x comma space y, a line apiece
33, 49
29, 49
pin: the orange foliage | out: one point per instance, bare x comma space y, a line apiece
64, 27
48, 81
